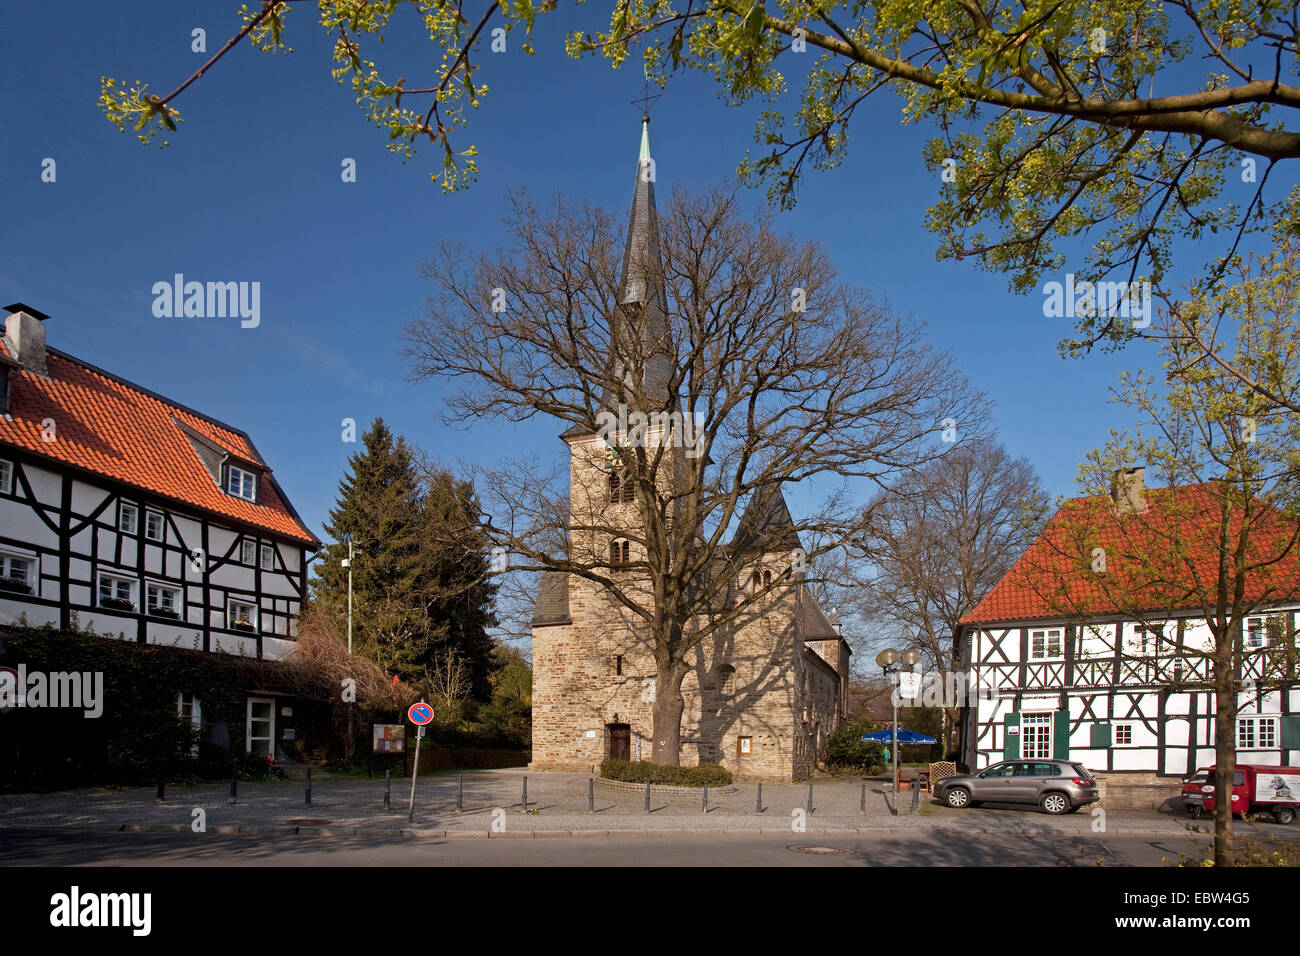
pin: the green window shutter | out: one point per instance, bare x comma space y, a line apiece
1010, 741
1099, 735
1061, 735
1290, 733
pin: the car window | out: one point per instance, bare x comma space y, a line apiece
1003, 770
1047, 770
1081, 770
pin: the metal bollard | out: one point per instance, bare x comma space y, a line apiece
759, 803
591, 795
308, 803
523, 800
234, 783
162, 790
460, 792
810, 805
704, 807
388, 789
916, 793
862, 806
647, 796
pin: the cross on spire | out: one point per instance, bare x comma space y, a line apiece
645, 99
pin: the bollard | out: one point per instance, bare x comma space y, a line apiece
234, 782
388, 789
810, 806
704, 807
862, 806
916, 793
523, 800
460, 792
591, 795
308, 803
162, 790
759, 803
647, 796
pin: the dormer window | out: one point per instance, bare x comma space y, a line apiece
6, 477
241, 483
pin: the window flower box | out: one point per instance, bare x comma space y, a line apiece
245, 626
164, 612
15, 585
116, 604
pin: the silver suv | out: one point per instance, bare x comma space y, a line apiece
1056, 786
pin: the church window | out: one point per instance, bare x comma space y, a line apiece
620, 551
620, 488
767, 579
726, 680
618, 664
755, 582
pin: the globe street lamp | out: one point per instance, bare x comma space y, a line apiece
889, 660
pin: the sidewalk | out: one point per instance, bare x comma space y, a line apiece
557, 806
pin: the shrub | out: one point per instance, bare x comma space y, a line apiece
643, 771
253, 766
846, 750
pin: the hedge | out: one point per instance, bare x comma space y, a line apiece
643, 771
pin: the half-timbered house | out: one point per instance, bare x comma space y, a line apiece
135, 517
1119, 691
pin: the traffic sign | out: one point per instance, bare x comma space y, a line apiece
420, 713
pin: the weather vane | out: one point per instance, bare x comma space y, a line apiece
645, 99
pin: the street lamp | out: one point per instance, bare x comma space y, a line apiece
347, 563
888, 659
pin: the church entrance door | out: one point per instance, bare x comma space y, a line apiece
620, 741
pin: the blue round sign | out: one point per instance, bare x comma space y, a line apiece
420, 713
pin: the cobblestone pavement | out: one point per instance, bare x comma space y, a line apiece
557, 806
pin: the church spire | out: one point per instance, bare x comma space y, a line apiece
641, 298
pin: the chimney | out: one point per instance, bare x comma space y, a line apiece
1127, 488
25, 337
834, 619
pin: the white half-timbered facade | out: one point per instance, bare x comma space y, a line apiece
134, 516
1120, 695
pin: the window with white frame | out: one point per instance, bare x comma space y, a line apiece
188, 708
162, 600
241, 483
1036, 735
247, 551
268, 558
241, 615
1124, 733
17, 573
128, 517
1256, 633
1046, 644
1257, 733
1147, 640
6, 477
154, 527
116, 592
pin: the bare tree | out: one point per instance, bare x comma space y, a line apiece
717, 364
936, 544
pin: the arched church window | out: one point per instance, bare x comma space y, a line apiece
726, 680
755, 582
767, 579
620, 551
620, 488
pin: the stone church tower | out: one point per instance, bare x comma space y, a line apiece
762, 695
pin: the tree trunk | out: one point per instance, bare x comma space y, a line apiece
667, 713
1225, 751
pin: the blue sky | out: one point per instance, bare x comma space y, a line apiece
251, 190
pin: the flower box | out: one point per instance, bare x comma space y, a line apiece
13, 584
116, 604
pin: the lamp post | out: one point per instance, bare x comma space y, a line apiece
889, 659
347, 563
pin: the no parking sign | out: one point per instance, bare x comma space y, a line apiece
420, 714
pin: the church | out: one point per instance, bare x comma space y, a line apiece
762, 694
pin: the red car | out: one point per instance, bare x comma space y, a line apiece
1256, 788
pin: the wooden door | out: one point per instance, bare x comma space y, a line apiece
620, 742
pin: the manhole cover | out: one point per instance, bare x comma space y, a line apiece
308, 822
813, 848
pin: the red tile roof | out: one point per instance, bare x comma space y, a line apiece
1159, 560
111, 427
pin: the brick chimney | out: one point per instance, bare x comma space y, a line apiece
25, 337
1127, 489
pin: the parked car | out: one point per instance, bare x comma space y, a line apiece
1196, 787
1260, 788
1055, 786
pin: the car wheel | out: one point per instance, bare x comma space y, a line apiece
958, 798
1283, 815
1054, 803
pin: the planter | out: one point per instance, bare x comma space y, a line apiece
163, 612
116, 604
14, 585
243, 627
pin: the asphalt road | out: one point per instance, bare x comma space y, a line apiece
914, 848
